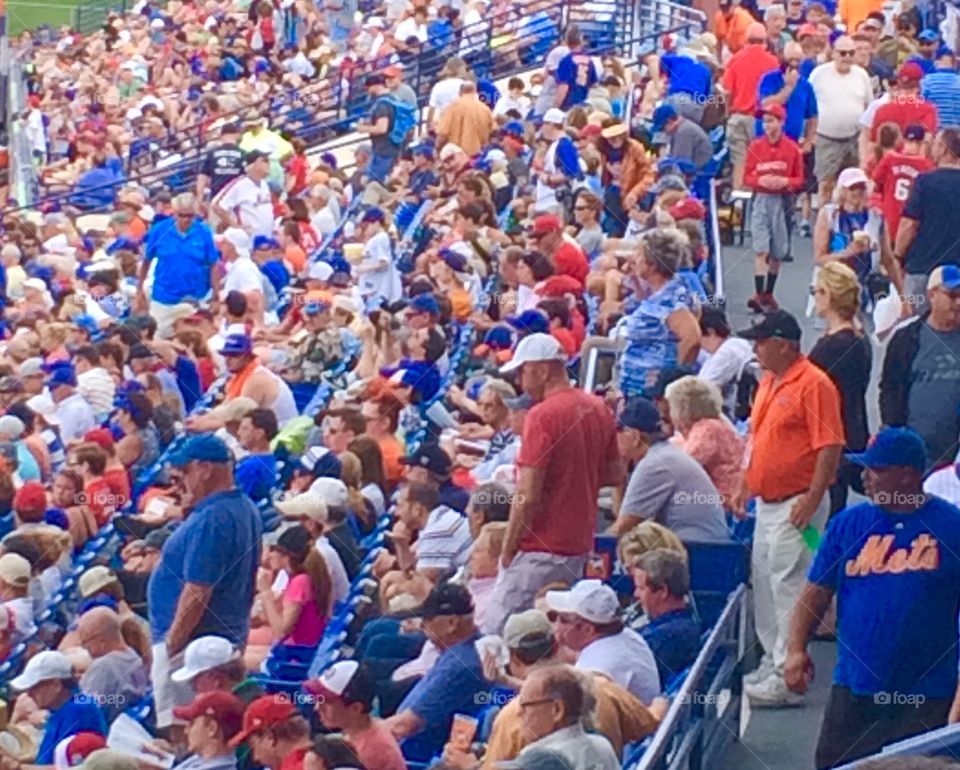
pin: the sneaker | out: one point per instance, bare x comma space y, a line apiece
772, 693
787, 258
769, 304
755, 303
805, 229
761, 672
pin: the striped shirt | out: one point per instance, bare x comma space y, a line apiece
444, 543
942, 87
58, 453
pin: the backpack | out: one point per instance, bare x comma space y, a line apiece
404, 120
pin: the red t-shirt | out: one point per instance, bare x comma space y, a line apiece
742, 76
376, 747
568, 259
571, 436
894, 177
294, 760
118, 480
566, 339
100, 500
904, 109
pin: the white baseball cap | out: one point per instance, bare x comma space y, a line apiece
14, 569
592, 600
449, 150
332, 492
43, 667
31, 367
555, 116
11, 426
334, 680
239, 238
852, 176
310, 504
532, 349
319, 271
204, 654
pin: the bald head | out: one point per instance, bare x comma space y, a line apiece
99, 631
792, 51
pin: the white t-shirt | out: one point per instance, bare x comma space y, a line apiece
866, 120
252, 204
75, 417
21, 615
945, 484
384, 281
724, 367
627, 660
339, 582
443, 94
243, 275
409, 28
841, 99
323, 221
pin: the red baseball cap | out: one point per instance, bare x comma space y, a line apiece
688, 208
807, 30
776, 110
225, 707
264, 713
590, 130
30, 497
545, 223
100, 436
910, 72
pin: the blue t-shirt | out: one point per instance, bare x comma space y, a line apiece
450, 687
183, 260
897, 579
217, 545
674, 640
686, 76
79, 714
800, 107
256, 475
577, 71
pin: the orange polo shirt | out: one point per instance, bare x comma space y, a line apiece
732, 31
793, 418
743, 75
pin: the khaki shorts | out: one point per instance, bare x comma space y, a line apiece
833, 156
741, 130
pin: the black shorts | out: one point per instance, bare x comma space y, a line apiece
809, 175
856, 726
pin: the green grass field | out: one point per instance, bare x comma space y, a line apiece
24, 14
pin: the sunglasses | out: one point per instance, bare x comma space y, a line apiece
846, 54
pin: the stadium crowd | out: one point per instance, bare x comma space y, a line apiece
303, 453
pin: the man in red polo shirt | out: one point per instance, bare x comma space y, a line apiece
906, 105
774, 172
546, 236
278, 736
741, 80
567, 452
895, 174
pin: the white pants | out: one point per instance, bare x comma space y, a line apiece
517, 585
166, 692
780, 562
163, 315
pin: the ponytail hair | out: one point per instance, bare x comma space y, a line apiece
315, 568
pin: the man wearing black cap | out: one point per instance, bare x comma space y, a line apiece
454, 684
430, 464
246, 202
222, 164
796, 437
382, 117
667, 485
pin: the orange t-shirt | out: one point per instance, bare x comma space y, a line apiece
732, 32
296, 257
793, 418
392, 451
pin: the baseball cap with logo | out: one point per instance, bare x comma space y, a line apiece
591, 600
431, 457
776, 325
204, 447
445, 599
43, 667
535, 348
347, 681
893, 448
204, 654
915, 132
265, 712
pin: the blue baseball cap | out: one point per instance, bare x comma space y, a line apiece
373, 215
425, 303
928, 36
661, 115
498, 338
315, 306
893, 448
87, 323
426, 150
236, 345
204, 448
514, 128
640, 414
530, 322
945, 276
454, 259
62, 374
265, 242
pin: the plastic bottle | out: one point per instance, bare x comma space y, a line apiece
811, 537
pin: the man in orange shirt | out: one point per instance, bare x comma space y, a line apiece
796, 437
467, 122
741, 81
730, 26
852, 12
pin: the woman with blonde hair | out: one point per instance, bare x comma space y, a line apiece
696, 411
351, 474
644, 537
844, 353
